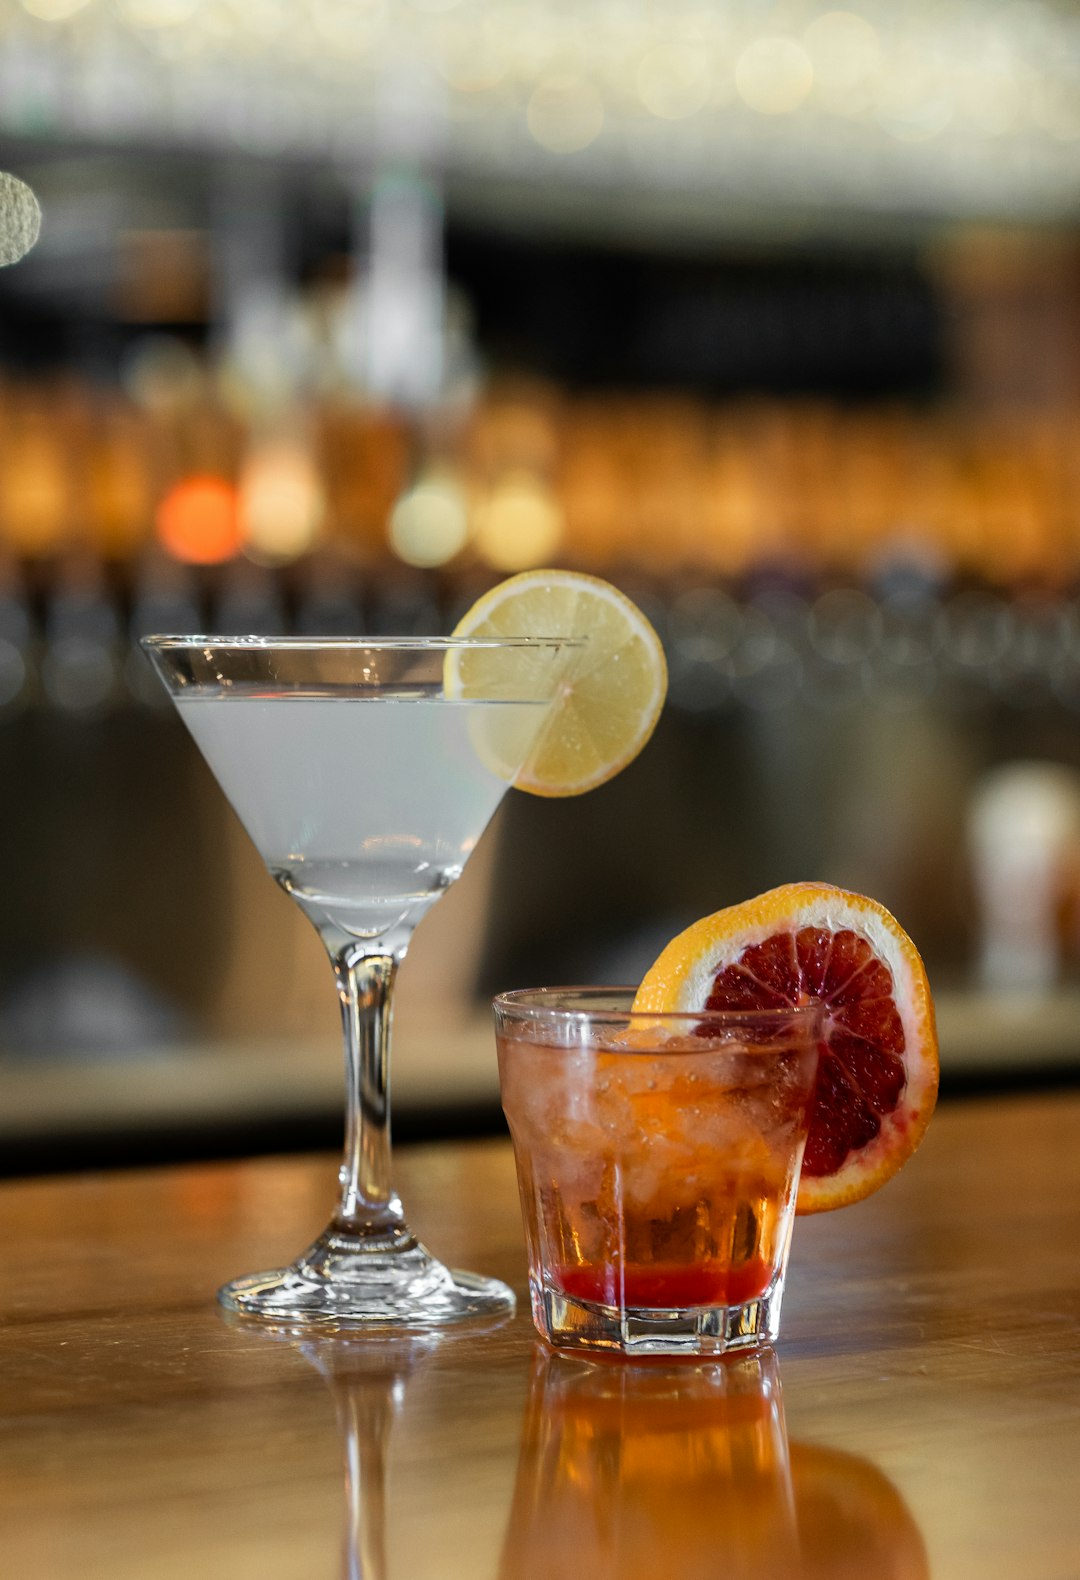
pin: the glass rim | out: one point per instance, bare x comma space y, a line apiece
531, 1004
159, 642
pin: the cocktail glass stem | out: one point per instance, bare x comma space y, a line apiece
369, 1206
367, 1267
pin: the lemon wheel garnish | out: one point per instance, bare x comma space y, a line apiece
612, 692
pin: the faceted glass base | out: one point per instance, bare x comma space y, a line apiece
569, 1323
341, 1283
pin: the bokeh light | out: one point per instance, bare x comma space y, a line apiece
20, 218
674, 81
282, 503
429, 525
914, 103
198, 520
565, 114
845, 54
520, 524
773, 75
35, 491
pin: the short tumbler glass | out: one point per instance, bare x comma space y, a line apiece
658, 1161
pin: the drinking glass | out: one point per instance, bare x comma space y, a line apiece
658, 1161
365, 778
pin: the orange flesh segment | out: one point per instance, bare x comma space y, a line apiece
861, 1072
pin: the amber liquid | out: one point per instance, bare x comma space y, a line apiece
656, 1182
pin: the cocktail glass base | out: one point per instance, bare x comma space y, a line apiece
574, 1324
336, 1286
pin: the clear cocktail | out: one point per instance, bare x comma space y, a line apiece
366, 806
658, 1159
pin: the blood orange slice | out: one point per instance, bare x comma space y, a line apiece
878, 1065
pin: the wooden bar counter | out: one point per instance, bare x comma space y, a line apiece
921, 1417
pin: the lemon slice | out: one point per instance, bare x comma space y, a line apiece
610, 699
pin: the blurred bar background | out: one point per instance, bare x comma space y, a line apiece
343, 310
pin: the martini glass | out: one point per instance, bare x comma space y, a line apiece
364, 783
